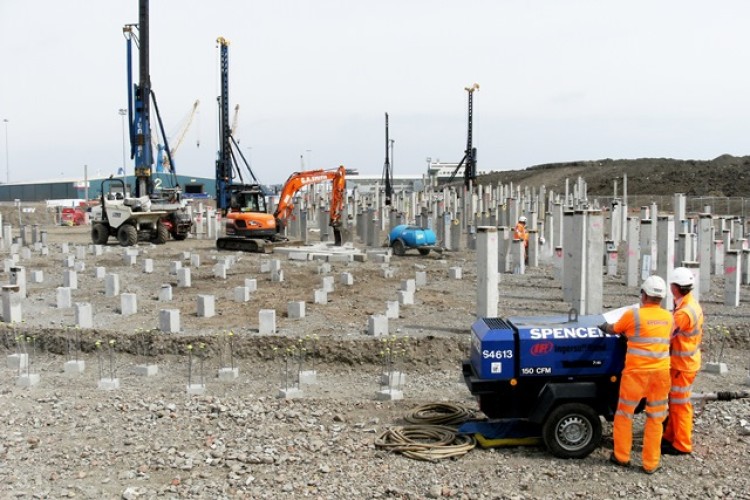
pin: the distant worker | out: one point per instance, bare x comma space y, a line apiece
685, 363
521, 233
646, 374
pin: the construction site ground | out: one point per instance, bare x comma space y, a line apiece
65, 438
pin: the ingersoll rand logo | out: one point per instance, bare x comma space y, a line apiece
542, 348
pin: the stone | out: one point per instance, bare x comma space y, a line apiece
108, 384
296, 309
74, 366
289, 393
392, 309
308, 377
346, 279
169, 320
241, 294
406, 298
146, 370
28, 380
389, 395
393, 379
228, 374
196, 389
84, 316
206, 306
320, 296
18, 361
377, 325
267, 321
717, 368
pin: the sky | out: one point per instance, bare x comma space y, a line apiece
559, 81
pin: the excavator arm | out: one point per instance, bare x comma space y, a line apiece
298, 180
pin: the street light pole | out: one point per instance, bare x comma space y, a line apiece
7, 153
309, 158
123, 112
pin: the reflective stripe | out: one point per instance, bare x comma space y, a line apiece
648, 354
657, 403
650, 340
679, 401
694, 316
686, 339
637, 321
679, 388
623, 414
628, 402
684, 354
658, 414
686, 335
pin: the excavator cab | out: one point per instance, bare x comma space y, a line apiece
248, 201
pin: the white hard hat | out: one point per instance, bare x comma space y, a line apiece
682, 276
522, 219
654, 286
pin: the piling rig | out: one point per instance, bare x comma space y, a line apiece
470, 154
163, 198
387, 169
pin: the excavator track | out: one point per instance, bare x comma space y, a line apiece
251, 245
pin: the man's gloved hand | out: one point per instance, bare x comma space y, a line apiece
603, 327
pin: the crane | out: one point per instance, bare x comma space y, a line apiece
470, 155
163, 161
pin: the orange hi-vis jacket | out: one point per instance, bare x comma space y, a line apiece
686, 341
648, 330
521, 233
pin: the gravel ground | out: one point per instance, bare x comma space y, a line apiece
64, 438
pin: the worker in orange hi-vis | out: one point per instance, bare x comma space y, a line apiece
647, 329
685, 363
521, 233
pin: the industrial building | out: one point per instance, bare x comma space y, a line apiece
79, 189
205, 187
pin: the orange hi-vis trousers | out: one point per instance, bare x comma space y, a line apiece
679, 428
634, 386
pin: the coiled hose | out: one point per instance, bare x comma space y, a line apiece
430, 438
439, 414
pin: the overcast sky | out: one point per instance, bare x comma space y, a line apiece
560, 80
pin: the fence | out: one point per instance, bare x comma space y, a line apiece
719, 205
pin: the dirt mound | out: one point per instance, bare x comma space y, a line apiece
725, 175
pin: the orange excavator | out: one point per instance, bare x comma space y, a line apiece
249, 226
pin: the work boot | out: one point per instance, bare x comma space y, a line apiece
651, 471
668, 448
613, 459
